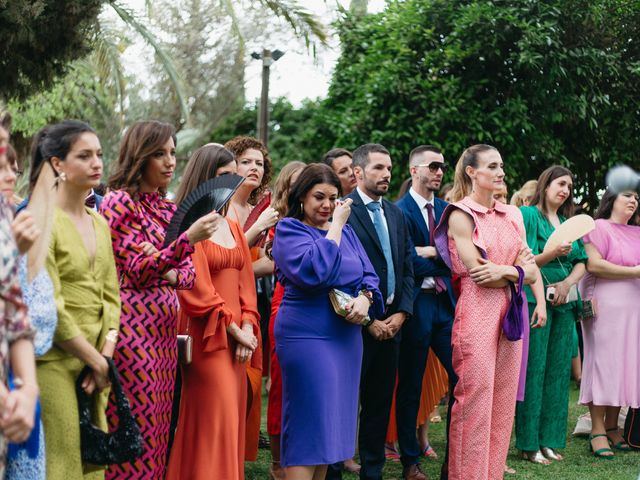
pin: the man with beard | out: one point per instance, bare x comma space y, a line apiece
341, 161
434, 304
381, 228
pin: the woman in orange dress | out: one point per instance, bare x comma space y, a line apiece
220, 314
252, 158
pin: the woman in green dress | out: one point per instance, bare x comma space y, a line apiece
541, 419
82, 268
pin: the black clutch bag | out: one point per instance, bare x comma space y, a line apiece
97, 446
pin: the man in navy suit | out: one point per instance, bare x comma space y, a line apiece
381, 228
433, 310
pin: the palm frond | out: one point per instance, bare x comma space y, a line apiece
106, 58
130, 19
304, 23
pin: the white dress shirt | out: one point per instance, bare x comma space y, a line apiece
428, 282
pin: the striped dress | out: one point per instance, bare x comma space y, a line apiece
146, 355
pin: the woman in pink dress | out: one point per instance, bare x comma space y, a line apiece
610, 376
482, 240
146, 356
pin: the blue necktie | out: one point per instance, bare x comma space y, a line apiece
383, 236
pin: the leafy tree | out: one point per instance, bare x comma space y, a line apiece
291, 130
555, 81
39, 38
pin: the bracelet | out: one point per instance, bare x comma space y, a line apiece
112, 336
368, 295
367, 322
20, 384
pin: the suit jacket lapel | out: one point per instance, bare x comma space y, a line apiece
440, 206
417, 215
361, 214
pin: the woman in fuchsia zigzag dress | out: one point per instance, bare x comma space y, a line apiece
138, 215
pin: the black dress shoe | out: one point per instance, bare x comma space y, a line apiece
444, 471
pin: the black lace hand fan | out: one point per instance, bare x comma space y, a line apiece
211, 195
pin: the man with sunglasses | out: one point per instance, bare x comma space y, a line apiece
434, 301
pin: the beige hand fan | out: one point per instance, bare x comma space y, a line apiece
41, 205
570, 231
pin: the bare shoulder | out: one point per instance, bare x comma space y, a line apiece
460, 224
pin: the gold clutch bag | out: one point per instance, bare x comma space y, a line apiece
340, 300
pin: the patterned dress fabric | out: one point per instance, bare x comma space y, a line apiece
610, 374
38, 295
486, 363
88, 304
14, 319
541, 418
320, 353
146, 355
210, 438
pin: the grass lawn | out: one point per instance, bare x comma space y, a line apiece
579, 463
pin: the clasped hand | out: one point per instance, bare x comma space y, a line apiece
247, 341
358, 309
17, 412
488, 272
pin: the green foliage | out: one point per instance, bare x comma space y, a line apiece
39, 38
291, 130
545, 82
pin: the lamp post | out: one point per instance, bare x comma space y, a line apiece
268, 58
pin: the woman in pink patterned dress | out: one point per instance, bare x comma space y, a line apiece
482, 240
146, 356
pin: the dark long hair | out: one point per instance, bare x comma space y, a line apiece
312, 175
202, 166
606, 208
544, 180
141, 141
54, 141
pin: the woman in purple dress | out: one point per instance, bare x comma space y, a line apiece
610, 376
320, 353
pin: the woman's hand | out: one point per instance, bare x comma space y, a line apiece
525, 257
18, 408
486, 272
358, 309
244, 336
539, 316
25, 231
342, 211
203, 228
560, 295
427, 252
562, 250
147, 248
243, 354
267, 219
98, 378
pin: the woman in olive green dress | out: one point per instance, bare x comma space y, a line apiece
541, 419
82, 268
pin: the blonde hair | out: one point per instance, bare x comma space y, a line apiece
526, 192
283, 185
461, 181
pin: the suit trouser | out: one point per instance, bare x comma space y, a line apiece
435, 314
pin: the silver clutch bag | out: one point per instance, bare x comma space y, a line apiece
340, 300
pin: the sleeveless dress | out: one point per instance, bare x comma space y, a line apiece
146, 353
210, 438
486, 363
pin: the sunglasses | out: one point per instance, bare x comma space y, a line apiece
435, 166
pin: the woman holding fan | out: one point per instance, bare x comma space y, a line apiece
250, 208
221, 316
138, 214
